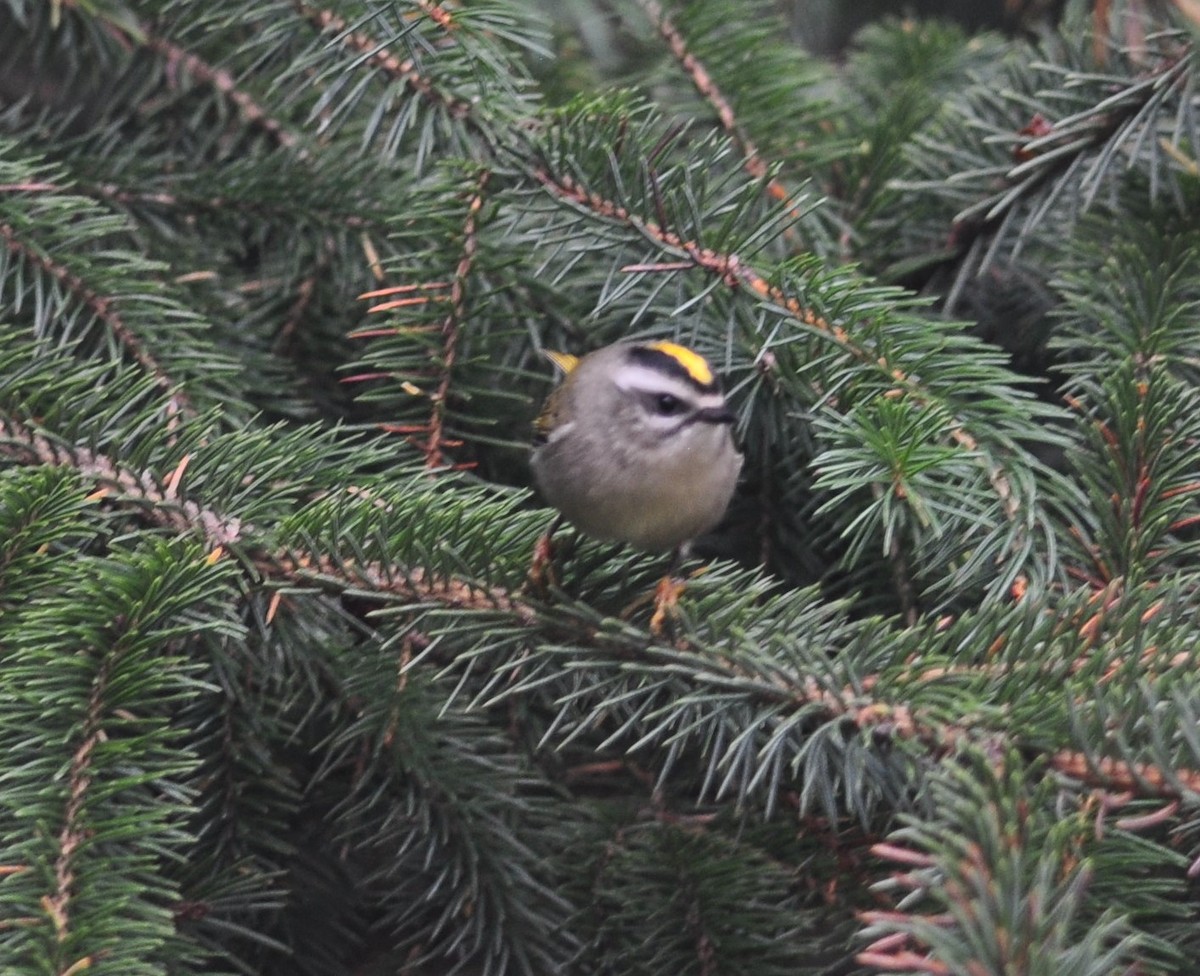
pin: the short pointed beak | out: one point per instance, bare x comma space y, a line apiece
716, 415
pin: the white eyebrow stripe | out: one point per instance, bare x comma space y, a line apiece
633, 378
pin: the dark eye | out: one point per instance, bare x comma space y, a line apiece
667, 405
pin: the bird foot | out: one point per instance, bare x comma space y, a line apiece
542, 574
666, 599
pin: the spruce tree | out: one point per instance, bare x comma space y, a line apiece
277, 695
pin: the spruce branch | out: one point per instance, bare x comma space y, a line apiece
1127, 344
391, 583
179, 62
1060, 130
736, 274
392, 753
436, 442
105, 308
1007, 892
93, 783
753, 160
159, 497
452, 324
376, 54
74, 832
1045, 150
156, 498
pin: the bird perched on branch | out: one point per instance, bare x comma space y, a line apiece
636, 445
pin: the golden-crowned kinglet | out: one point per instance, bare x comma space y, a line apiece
635, 445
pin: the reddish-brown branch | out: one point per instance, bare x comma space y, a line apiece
398, 582
436, 444
166, 506
942, 739
104, 308
73, 832
727, 267
158, 503
378, 57
710, 91
180, 61
438, 14
159, 500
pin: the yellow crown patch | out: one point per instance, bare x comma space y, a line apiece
695, 365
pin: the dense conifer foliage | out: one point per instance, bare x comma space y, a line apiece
277, 694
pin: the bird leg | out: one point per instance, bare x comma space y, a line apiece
667, 593
542, 574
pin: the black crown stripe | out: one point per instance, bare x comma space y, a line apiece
666, 363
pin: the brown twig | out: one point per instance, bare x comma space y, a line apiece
104, 308
752, 158
439, 14
377, 56
167, 506
430, 436
451, 324
180, 61
161, 504
403, 583
942, 738
73, 834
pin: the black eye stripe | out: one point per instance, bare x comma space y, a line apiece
665, 403
668, 405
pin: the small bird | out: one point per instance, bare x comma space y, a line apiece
635, 445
